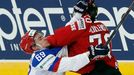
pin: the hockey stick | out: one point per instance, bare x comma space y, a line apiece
120, 23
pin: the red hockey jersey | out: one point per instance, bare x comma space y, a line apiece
78, 36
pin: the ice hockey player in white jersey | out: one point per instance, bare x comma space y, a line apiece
50, 61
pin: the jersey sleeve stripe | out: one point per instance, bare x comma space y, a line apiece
56, 66
57, 60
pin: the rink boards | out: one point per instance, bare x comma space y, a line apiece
15, 67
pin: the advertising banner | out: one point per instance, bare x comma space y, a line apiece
19, 16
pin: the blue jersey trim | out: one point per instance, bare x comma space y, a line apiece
46, 51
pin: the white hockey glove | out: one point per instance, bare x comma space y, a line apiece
98, 51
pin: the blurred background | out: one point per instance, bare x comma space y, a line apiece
19, 16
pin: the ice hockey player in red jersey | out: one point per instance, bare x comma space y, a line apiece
81, 33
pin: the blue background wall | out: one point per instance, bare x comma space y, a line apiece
18, 16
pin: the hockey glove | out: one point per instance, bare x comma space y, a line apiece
81, 6
99, 50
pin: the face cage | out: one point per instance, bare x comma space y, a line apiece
34, 43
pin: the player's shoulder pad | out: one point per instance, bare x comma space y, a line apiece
39, 55
43, 54
55, 50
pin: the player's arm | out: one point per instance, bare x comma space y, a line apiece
68, 34
72, 63
65, 35
56, 64
73, 29
77, 62
47, 60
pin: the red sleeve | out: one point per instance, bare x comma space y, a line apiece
66, 35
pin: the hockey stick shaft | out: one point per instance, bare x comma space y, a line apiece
120, 23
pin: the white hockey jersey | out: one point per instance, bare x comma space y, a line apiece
55, 62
